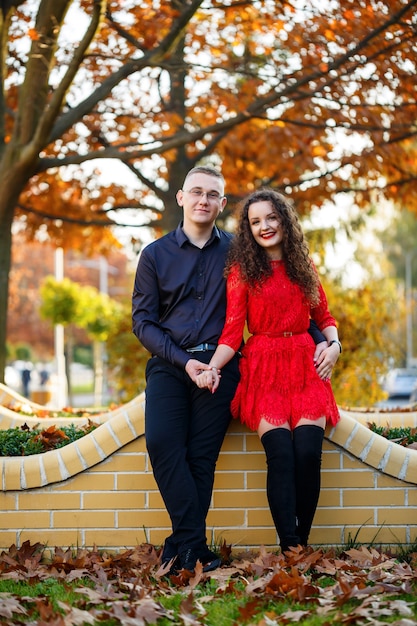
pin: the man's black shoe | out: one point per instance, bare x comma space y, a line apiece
211, 565
189, 558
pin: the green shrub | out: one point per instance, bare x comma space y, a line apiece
25, 441
403, 435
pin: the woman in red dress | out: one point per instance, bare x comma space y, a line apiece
284, 393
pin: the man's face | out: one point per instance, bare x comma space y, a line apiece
202, 198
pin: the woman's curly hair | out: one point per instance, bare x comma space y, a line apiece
253, 260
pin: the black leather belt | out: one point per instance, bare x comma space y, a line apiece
202, 347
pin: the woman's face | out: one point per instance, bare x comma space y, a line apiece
266, 228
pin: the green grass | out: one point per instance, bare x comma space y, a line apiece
80, 389
209, 604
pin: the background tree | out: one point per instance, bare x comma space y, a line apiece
315, 99
99, 317
67, 303
370, 320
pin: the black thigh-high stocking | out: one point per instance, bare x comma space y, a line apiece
280, 485
308, 442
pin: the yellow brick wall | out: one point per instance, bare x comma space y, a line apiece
99, 491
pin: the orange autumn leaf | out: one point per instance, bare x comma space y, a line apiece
33, 34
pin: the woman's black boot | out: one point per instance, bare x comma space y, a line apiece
308, 443
280, 484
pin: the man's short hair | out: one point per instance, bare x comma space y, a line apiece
205, 169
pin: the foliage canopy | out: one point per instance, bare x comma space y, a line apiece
316, 99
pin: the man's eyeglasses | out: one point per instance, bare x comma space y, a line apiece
199, 193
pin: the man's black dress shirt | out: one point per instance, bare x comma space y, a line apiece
179, 297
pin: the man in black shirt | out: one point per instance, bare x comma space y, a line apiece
179, 305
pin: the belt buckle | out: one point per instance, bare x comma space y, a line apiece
287, 333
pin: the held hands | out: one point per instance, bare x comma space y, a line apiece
203, 375
325, 358
209, 379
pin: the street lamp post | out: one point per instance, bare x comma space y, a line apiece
409, 307
61, 377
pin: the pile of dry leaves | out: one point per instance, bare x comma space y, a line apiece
127, 587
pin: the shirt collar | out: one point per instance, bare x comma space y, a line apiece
182, 237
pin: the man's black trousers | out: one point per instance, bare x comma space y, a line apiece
185, 427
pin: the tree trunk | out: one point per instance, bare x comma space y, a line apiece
5, 264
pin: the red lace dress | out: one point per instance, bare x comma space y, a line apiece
278, 381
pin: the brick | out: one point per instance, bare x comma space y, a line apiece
83, 519
115, 500
136, 446
256, 480
409, 471
49, 501
395, 462
229, 480
325, 536
72, 459
241, 461
24, 519
239, 499
8, 500
342, 433
329, 497
374, 454
380, 497
126, 463
53, 538
411, 496
233, 444
8, 538
89, 453
117, 539
104, 440
260, 517
221, 519
155, 500
383, 480
87, 481
331, 461
341, 480
253, 444
352, 463
156, 536
142, 518
247, 537
136, 481
31, 472
343, 517
360, 441
121, 429
12, 470
398, 515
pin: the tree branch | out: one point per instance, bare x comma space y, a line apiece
150, 59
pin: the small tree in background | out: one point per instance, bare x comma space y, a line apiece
99, 317
127, 358
68, 303
370, 320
